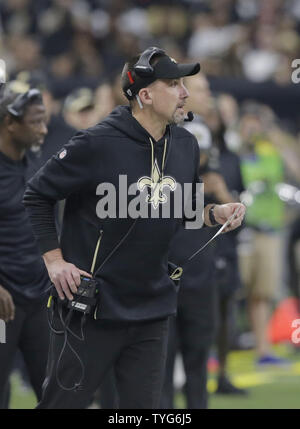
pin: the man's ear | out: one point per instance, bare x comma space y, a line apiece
10, 123
145, 96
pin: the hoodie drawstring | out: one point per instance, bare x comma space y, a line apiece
163, 159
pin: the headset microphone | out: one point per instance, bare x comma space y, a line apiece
189, 117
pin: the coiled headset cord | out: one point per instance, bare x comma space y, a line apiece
66, 331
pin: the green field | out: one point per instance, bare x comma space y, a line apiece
268, 389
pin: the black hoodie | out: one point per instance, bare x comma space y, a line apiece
134, 282
22, 270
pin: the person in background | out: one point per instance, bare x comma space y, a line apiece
79, 109
84, 107
24, 279
58, 130
261, 249
227, 275
192, 330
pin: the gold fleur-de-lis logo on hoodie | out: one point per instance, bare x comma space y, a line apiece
156, 183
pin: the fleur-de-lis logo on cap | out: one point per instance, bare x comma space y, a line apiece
156, 183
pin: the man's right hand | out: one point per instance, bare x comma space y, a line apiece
64, 275
7, 306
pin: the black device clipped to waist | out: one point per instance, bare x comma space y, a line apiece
86, 296
84, 299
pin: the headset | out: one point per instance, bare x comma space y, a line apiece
143, 70
16, 108
143, 67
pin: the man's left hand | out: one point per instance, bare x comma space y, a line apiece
222, 213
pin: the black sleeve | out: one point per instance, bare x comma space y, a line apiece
65, 173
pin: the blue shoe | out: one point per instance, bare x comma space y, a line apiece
272, 361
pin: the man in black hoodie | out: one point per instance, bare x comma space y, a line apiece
142, 144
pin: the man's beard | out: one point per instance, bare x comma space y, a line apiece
177, 118
36, 148
28, 145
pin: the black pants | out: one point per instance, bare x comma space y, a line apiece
28, 332
191, 332
107, 395
136, 351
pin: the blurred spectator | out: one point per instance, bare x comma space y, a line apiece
55, 27
89, 62
17, 16
79, 108
84, 107
81, 42
261, 254
25, 53
168, 21
229, 113
261, 60
212, 36
227, 276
